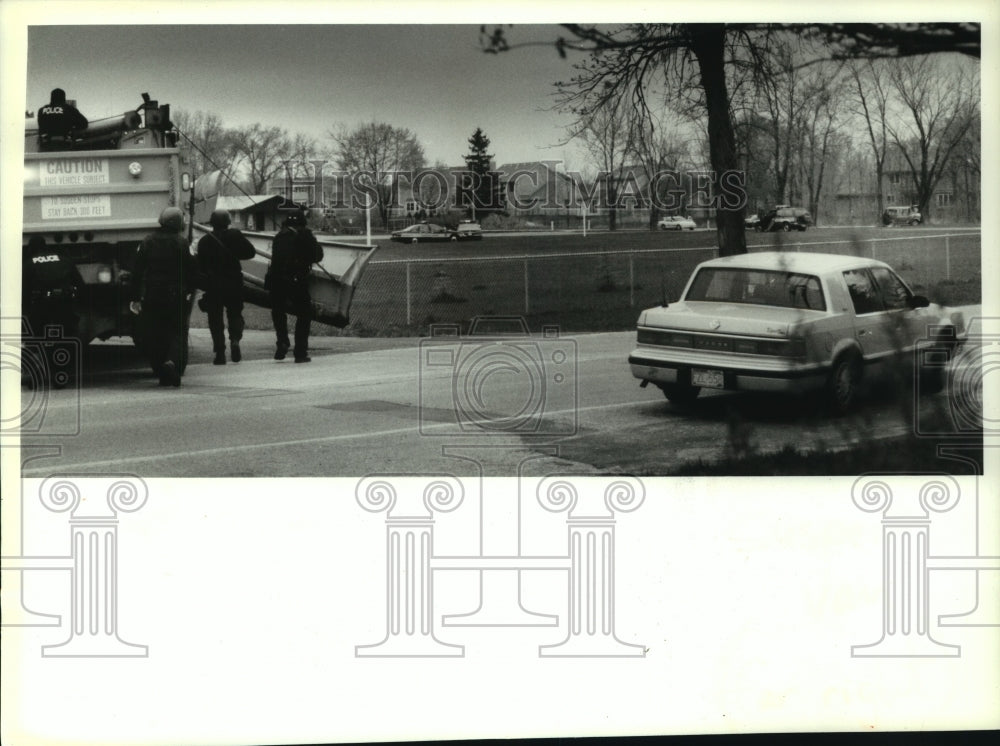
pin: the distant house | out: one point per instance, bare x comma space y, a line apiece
431, 192
257, 212
538, 188
956, 196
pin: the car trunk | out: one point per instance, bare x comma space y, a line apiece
741, 319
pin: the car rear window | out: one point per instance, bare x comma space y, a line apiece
757, 287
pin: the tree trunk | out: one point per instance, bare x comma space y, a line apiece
612, 203
654, 211
708, 46
879, 195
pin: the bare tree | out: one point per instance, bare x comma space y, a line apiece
870, 86
659, 147
967, 170
622, 59
605, 133
625, 60
205, 143
822, 113
378, 151
939, 102
262, 151
780, 99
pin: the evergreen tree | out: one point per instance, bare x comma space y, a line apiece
485, 184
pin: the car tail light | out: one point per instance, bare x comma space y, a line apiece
664, 338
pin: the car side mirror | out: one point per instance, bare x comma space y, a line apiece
919, 301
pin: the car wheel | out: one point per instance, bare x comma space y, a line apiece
454, 238
680, 394
786, 227
913, 222
756, 229
414, 240
842, 385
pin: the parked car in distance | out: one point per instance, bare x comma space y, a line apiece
752, 222
786, 218
466, 231
906, 215
419, 232
793, 322
422, 232
675, 223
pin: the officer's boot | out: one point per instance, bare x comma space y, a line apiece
220, 356
234, 352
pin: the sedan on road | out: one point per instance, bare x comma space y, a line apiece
422, 232
675, 223
434, 232
467, 231
793, 322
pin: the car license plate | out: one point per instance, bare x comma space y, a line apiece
710, 379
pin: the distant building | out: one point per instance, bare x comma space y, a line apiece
537, 188
432, 192
257, 212
956, 197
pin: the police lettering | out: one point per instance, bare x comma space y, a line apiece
43, 259
52, 110
76, 166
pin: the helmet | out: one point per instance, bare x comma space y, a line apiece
219, 219
172, 219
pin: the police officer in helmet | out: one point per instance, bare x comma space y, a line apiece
59, 121
219, 256
294, 251
163, 278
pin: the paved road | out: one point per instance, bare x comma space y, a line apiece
367, 406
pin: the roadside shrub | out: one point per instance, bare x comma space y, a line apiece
500, 222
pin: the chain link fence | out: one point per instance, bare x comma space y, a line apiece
594, 291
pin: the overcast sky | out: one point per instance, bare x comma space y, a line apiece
432, 79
